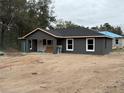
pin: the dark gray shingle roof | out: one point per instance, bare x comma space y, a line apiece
78, 32
75, 32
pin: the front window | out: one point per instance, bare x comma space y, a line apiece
44, 41
90, 44
49, 42
69, 44
117, 41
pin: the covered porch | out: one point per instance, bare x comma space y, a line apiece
42, 45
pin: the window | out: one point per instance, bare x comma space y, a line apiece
116, 41
49, 42
59, 42
44, 41
69, 44
90, 44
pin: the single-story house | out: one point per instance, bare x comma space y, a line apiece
117, 40
71, 40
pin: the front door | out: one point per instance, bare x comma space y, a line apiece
34, 45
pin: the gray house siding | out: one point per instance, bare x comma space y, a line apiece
80, 46
38, 35
108, 47
23, 45
102, 45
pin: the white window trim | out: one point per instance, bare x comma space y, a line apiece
31, 45
93, 45
67, 45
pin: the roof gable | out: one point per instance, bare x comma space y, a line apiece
37, 29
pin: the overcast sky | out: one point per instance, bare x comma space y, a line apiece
90, 12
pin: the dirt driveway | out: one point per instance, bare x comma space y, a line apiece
65, 73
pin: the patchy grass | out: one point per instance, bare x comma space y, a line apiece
118, 50
1, 52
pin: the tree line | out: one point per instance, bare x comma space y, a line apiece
104, 27
108, 27
18, 17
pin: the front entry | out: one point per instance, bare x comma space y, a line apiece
32, 45
48, 45
45, 46
41, 45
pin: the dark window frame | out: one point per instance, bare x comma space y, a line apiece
44, 42
49, 42
116, 41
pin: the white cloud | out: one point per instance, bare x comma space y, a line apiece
90, 12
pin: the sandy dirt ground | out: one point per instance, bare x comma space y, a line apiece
64, 73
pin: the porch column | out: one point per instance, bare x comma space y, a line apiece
23, 45
26, 46
55, 46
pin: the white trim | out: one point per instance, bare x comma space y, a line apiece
67, 45
31, 44
40, 30
93, 44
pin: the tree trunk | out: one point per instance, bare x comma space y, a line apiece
2, 38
